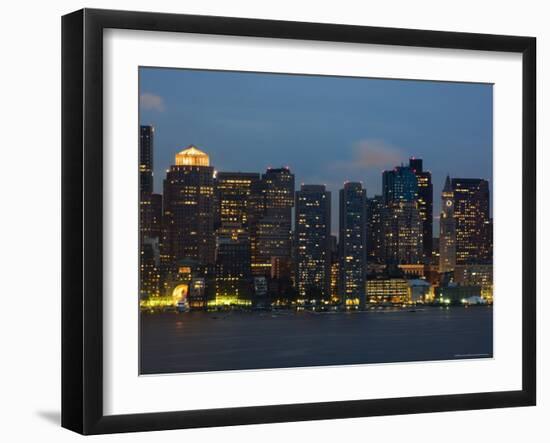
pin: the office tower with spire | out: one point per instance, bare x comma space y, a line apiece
353, 244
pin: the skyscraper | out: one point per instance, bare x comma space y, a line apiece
375, 238
471, 213
232, 271
278, 188
312, 242
402, 225
353, 244
189, 208
402, 233
271, 235
399, 184
146, 143
150, 213
425, 205
447, 230
234, 197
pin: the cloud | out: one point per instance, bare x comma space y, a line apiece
151, 102
371, 153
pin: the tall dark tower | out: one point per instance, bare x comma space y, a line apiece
447, 230
271, 236
375, 238
471, 212
189, 208
146, 134
150, 214
425, 205
312, 242
232, 271
353, 244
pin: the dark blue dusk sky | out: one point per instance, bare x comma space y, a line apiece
326, 129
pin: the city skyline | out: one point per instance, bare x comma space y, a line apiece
388, 125
267, 201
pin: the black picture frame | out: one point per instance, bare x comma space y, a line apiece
82, 239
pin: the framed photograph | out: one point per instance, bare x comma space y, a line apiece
269, 221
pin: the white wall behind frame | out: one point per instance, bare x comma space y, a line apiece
30, 380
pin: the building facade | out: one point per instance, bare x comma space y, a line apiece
233, 277
312, 242
402, 233
235, 197
383, 289
425, 205
353, 244
271, 234
146, 147
472, 219
447, 230
375, 232
402, 225
189, 208
399, 184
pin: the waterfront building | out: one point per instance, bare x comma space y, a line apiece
232, 271
197, 293
384, 289
419, 291
149, 272
425, 205
454, 294
189, 208
189, 282
353, 244
375, 233
312, 242
447, 229
476, 275
471, 214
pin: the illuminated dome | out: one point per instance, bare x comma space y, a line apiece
192, 156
